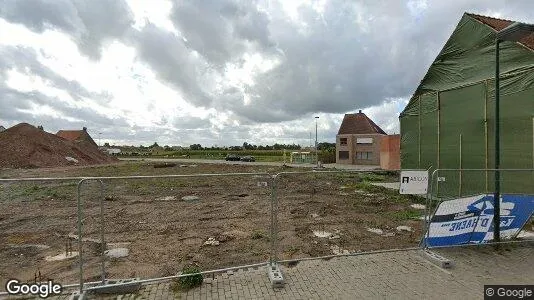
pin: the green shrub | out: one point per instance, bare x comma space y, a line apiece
189, 282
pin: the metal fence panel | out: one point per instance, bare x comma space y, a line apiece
165, 223
37, 220
323, 213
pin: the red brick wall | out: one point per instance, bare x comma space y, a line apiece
390, 152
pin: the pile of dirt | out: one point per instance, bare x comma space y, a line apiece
25, 146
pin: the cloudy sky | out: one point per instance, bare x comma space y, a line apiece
220, 72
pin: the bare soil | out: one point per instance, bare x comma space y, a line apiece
25, 146
164, 233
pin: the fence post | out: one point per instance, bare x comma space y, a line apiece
102, 241
80, 246
274, 220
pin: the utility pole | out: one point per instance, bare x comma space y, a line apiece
316, 154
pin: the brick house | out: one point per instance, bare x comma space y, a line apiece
77, 136
360, 141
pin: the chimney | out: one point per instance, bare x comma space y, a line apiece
360, 111
85, 129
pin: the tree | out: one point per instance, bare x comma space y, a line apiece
155, 145
324, 146
195, 147
107, 145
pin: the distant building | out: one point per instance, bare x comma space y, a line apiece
77, 136
2, 128
361, 142
112, 151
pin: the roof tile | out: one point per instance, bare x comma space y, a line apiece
500, 24
359, 123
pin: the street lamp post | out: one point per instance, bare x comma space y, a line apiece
316, 153
512, 33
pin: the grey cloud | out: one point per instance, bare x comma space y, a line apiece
91, 23
173, 62
221, 31
16, 100
12, 101
25, 60
338, 65
188, 122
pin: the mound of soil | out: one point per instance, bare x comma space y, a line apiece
25, 146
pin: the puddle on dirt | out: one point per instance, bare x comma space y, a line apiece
404, 228
375, 230
418, 206
62, 256
117, 252
190, 198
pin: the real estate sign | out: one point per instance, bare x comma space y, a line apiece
413, 182
469, 220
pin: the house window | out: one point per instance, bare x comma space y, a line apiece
343, 154
364, 155
364, 141
343, 141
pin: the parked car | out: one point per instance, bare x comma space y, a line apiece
232, 157
248, 158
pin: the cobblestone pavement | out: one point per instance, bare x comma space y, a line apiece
395, 275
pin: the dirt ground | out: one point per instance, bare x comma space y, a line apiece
164, 233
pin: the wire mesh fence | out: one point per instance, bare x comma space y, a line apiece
163, 224
36, 220
325, 213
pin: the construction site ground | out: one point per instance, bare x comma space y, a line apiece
225, 221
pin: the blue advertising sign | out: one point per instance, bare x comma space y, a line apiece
470, 220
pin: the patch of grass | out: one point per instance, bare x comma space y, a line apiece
372, 177
188, 282
390, 195
39, 191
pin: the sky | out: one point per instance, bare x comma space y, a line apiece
220, 72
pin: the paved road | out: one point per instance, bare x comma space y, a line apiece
398, 275
257, 163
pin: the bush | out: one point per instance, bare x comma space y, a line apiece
327, 157
189, 282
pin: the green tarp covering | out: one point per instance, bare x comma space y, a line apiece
450, 120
